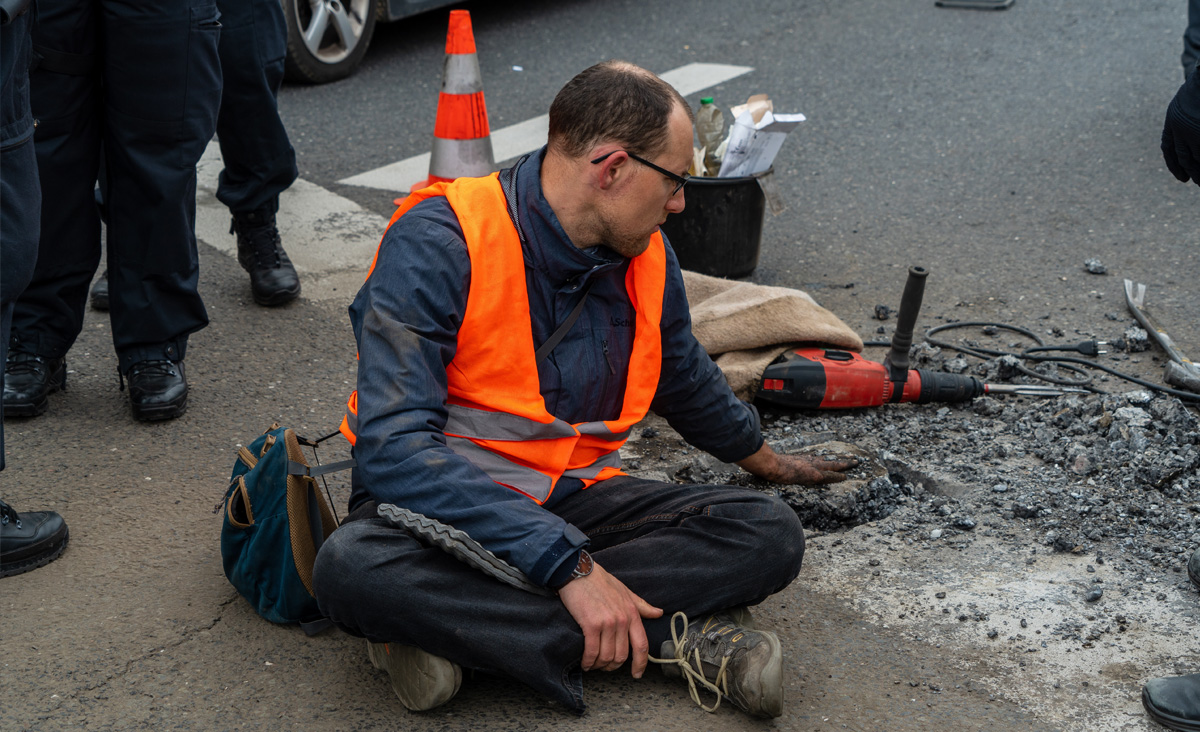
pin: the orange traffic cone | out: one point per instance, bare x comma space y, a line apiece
462, 140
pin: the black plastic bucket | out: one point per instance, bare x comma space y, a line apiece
720, 229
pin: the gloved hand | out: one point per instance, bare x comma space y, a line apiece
1181, 132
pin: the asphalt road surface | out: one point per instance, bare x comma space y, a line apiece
998, 149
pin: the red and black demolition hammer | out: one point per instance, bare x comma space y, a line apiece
827, 378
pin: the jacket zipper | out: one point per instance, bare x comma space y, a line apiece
604, 345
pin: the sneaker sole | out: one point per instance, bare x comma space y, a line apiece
420, 680
1168, 720
26, 565
771, 680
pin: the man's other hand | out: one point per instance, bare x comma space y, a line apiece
610, 615
794, 469
1181, 132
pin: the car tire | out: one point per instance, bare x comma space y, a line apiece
327, 39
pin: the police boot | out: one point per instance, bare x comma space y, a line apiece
158, 389
1174, 702
29, 540
273, 279
100, 292
28, 380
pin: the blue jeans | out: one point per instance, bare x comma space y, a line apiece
696, 549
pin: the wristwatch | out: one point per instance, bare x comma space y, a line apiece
583, 569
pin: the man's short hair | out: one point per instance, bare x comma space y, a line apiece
613, 101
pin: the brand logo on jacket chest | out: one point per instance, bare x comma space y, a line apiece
621, 322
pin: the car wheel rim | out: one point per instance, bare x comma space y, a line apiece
332, 29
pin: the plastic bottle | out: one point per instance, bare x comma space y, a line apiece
710, 131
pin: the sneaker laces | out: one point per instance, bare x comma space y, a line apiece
693, 669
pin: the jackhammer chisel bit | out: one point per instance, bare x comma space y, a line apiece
1180, 371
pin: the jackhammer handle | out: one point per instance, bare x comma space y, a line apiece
939, 386
906, 320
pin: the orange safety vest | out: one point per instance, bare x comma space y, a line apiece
497, 416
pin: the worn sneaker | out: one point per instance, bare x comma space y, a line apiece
273, 279
421, 680
728, 659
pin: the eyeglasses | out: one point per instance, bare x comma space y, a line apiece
679, 180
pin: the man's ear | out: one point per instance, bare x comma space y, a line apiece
612, 169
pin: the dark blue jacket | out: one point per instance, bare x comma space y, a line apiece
406, 318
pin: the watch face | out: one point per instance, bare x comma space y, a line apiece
585, 566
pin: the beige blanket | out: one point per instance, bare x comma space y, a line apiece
745, 326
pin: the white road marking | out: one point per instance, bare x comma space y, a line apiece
332, 239
516, 140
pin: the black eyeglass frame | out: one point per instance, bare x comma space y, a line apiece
679, 180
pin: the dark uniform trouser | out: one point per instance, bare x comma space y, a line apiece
20, 194
1191, 38
697, 549
259, 160
138, 81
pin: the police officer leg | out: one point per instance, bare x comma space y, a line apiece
163, 82
65, 97
20, 192
1191, 39
31, 539
259, 160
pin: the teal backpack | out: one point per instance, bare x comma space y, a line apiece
275, 521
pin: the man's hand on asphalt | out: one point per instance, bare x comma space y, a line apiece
1181, 132
794, 469
610, 615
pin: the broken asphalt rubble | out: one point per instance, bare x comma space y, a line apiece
1070, 519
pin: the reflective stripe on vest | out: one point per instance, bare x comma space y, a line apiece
497, 416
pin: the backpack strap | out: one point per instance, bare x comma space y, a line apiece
295, 468
555, 337
313, 627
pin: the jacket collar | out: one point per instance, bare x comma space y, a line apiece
546, 245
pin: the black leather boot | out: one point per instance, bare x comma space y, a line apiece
1174, 702
28, 380
273, 279
29, 540
100, 292
158, 390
